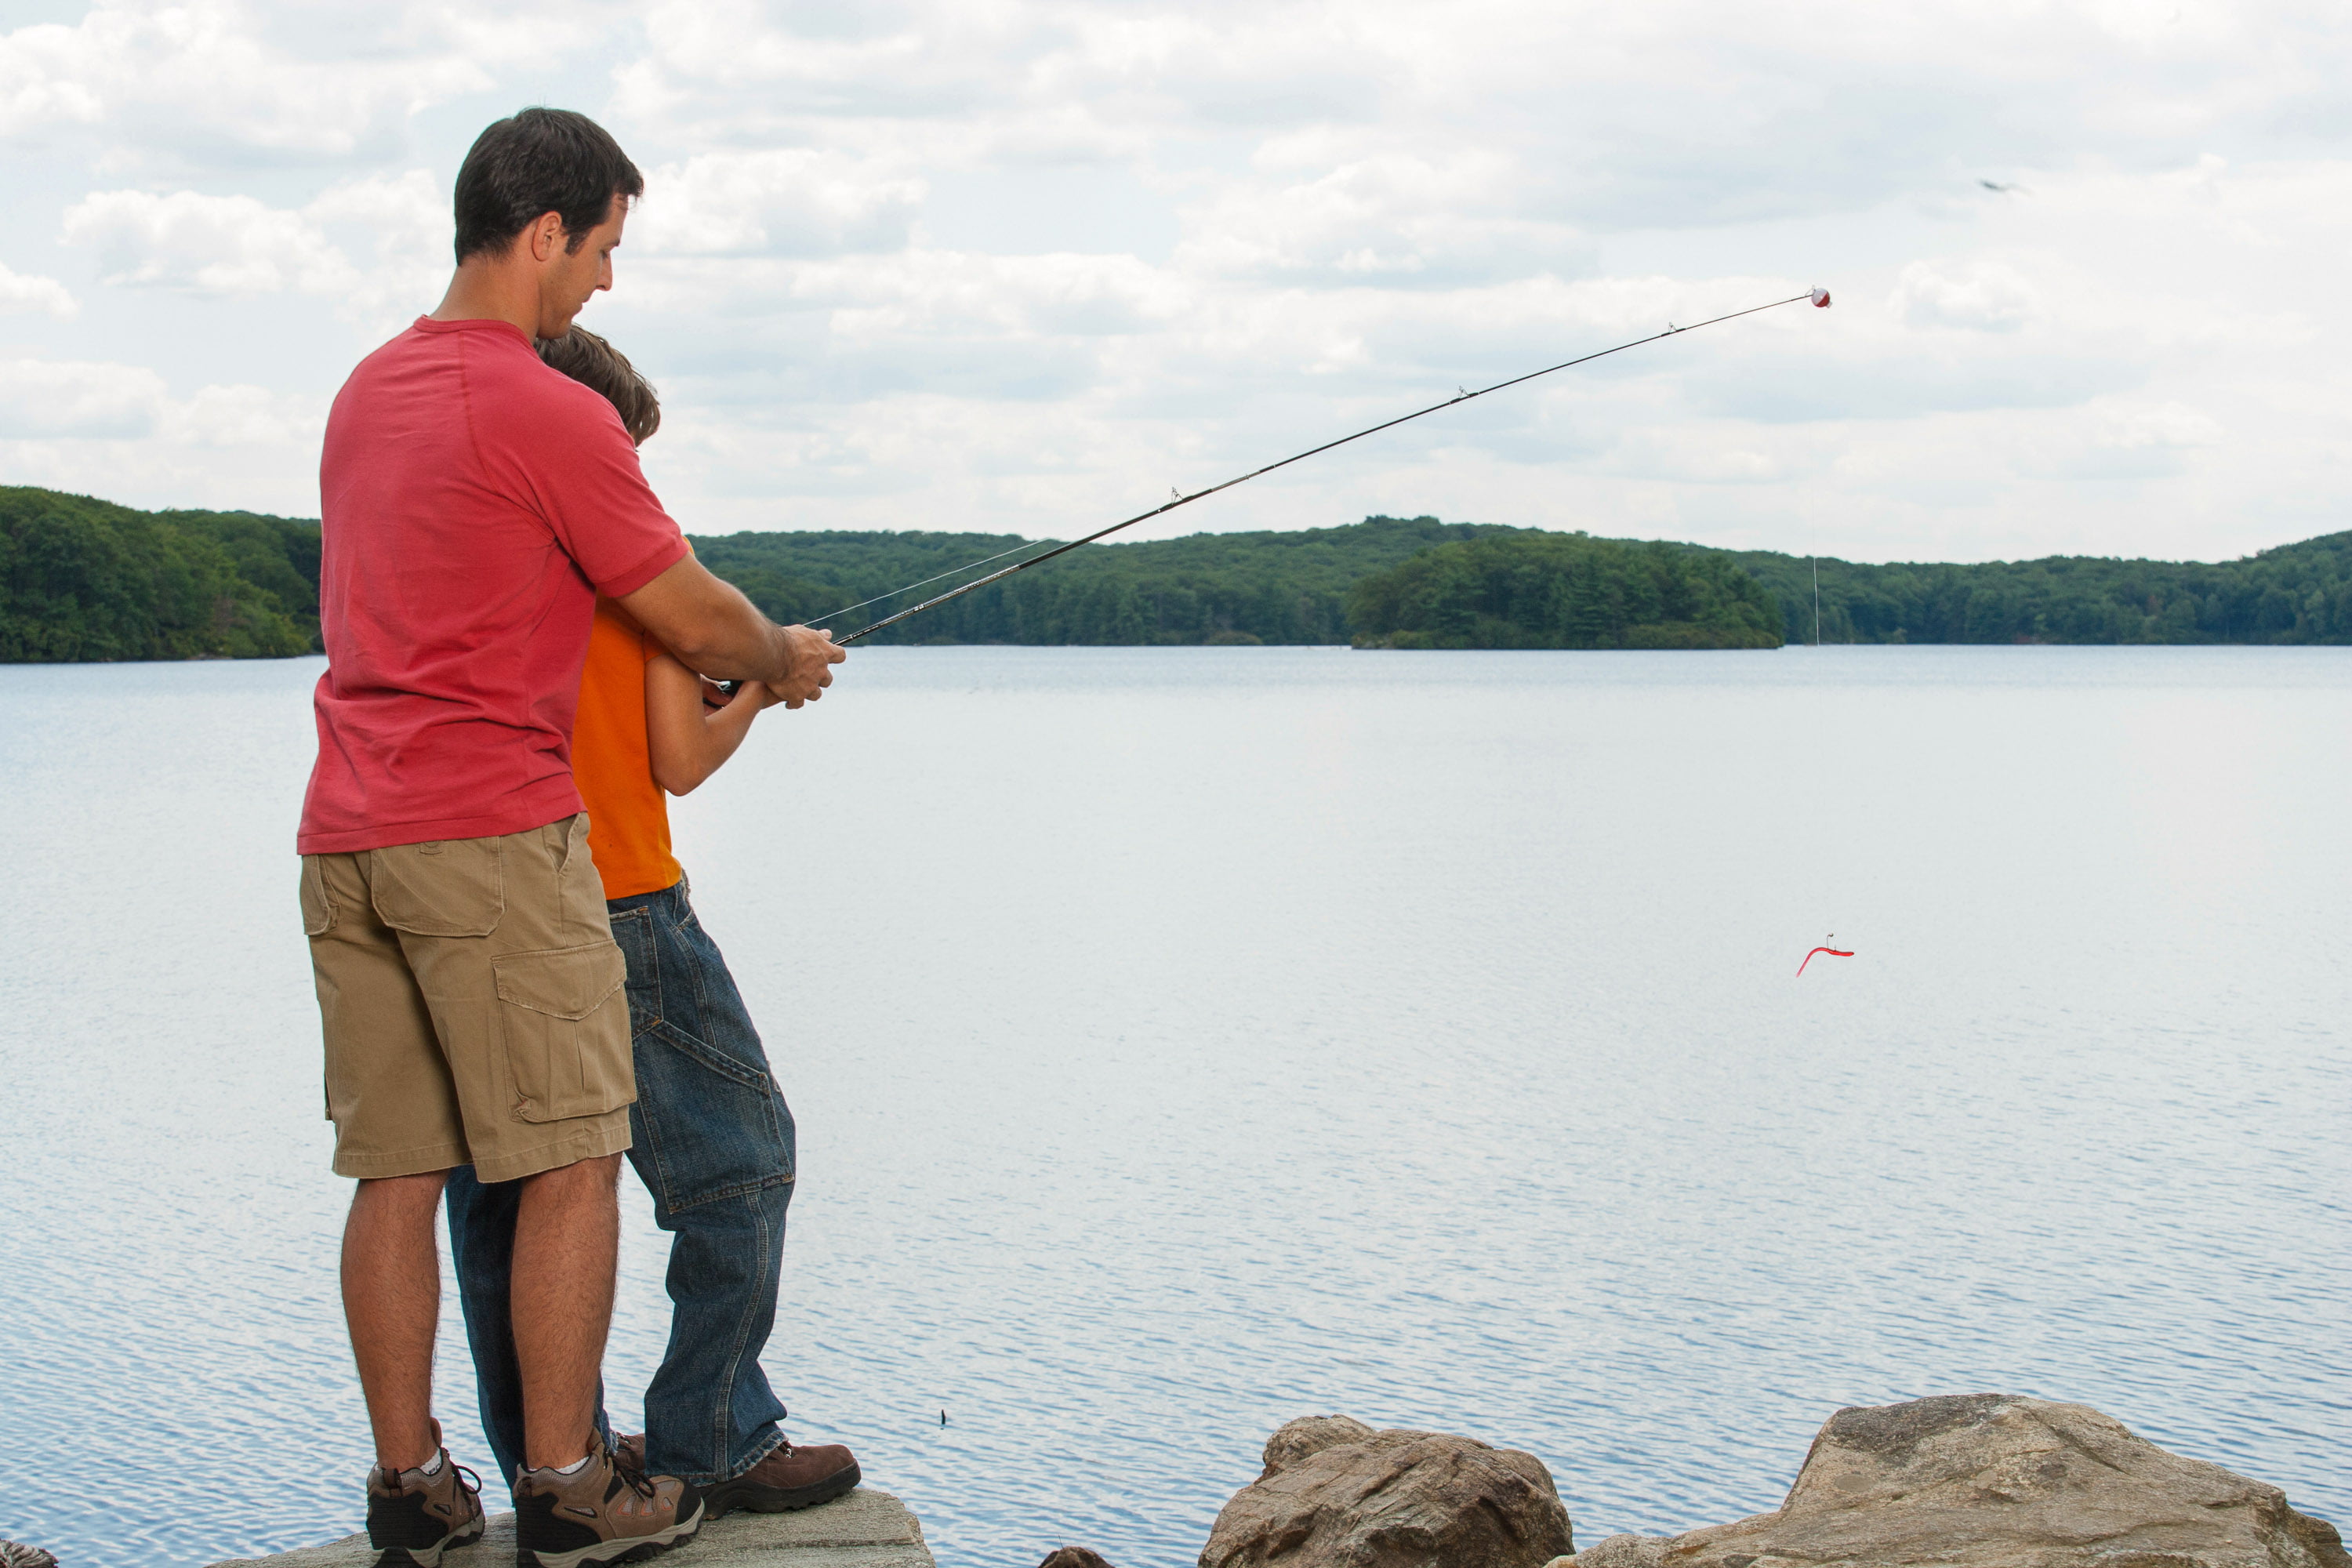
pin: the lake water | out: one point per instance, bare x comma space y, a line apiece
1183, 1040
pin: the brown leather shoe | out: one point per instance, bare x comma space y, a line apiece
789, 1477
414, 1517
605, 1511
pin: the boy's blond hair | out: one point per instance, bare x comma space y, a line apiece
597, 364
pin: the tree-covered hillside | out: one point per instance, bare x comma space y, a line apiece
82, 579
1562, 590
1286, 587
2294, 593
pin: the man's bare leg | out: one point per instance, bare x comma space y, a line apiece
566, 1252
391, 1301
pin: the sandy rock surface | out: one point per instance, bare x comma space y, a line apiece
1990, 1480
1389, 1500
866, 1529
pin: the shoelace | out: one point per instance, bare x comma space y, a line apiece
630, 1467
469, 1480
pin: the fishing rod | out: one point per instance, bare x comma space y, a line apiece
1820, 297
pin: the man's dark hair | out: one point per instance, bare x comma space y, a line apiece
541, 161
598, 366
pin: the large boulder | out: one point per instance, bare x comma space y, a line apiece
1337, 1494
1295, 1440
1992, 1481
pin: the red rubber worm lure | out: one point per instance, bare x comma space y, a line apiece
1833, 953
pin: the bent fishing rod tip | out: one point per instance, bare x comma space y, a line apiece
1177, 498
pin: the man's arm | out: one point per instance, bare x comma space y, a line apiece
716, 631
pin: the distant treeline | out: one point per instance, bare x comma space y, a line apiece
87, 580
1286, 587
1562, 590
84, 581
2294, 593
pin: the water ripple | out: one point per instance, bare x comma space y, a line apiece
1199, 1038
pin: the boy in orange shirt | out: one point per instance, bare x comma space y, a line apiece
713, 1139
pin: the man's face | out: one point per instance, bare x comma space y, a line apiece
567, 277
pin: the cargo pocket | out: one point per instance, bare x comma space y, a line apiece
318, 906
565, 1028
453, 887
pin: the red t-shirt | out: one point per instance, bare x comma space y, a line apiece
474, 503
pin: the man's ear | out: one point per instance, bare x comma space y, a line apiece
546, 236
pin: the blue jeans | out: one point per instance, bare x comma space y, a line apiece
714, 1144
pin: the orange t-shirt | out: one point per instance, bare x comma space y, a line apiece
612, 763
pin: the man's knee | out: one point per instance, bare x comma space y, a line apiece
399, 1197
587, 1180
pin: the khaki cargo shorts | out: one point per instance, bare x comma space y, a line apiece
473, 1005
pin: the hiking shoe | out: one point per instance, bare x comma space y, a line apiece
414, 1517
789, 1477
604, 1512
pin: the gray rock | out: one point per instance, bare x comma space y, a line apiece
1309, 1434
1073, 1557
1392, 1499
866, 1529
1620, 1551
13, 1555
1992, 1481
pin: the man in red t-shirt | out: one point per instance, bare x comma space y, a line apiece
475, 502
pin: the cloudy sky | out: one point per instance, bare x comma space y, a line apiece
1003, 265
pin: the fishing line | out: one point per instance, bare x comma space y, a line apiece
909, 587
1820, 297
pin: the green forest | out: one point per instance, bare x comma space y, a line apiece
1562, 590
1286, 587
2293, 594
86, 580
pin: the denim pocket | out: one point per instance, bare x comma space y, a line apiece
566, 1052
711, 1125
633, 934
452, 887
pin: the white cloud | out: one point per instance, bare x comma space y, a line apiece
243, 417
235, 246
212, 244
2170, 426
38, 82
19, 291
52, 397
1979, 296
1020, 265
104, 402
177, 80
792, 201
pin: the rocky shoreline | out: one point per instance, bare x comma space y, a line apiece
1981, 1480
